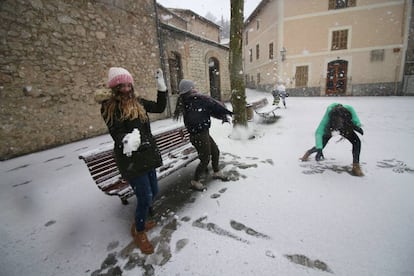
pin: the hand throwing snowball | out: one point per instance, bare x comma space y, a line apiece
197, 110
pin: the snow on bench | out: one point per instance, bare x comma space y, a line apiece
264, 109
176, 151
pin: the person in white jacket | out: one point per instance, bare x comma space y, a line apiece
281, 90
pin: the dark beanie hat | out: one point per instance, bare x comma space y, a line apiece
185, 86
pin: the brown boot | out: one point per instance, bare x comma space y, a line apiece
356, 170
305, 156
149, 224
143, 243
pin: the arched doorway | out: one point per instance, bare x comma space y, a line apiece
336, 78
214, 76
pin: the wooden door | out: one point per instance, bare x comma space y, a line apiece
336, 78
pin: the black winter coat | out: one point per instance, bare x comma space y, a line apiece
145, 158
198, 109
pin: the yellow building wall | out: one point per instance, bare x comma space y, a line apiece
305, 27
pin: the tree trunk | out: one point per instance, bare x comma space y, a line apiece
238, 94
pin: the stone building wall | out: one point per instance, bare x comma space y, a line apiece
55, 53
168, 17
195, 53
199, 25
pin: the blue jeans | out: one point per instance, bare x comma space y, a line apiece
146, 188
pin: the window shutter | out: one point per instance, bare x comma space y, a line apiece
331, 4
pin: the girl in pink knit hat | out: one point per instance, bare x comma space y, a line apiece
136, 153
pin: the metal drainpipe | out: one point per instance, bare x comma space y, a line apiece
160, 46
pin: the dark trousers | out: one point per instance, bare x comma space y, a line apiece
351, 136
145, 188
207, 149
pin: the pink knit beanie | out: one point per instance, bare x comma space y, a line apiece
118, 75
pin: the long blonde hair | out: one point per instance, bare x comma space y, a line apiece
128, 105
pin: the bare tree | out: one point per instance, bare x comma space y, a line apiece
225, 27
238, 94
210, 17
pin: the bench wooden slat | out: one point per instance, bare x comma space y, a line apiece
92, 155
176, 151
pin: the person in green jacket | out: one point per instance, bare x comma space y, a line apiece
344, 119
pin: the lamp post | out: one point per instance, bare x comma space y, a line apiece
283, 53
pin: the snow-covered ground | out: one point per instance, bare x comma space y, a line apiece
278, 216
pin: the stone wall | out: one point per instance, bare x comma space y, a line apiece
377, 89
195, 53
55, 53
304, 91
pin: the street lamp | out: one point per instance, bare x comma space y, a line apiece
283, 53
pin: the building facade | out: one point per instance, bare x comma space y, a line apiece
408, 87
327, 47
192, 50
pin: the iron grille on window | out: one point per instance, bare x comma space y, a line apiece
340, 4
271, 51
257, 51
377, 55
250, 55
258, 78
339, 40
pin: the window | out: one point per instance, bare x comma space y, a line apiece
301, 76
251, 55
247, 37
176, 72
339, 40
257, 24
340, 4
271, 51
257, 51
377, 55
258, 78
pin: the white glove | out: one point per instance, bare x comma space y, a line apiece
160, 80
131, 142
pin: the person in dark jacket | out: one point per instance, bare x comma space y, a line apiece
197, 110
344, 119
136, 153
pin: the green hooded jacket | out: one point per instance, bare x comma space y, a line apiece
323, 125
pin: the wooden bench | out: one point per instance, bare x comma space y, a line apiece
264, 109
176, 151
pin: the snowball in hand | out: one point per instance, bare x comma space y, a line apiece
131, 142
